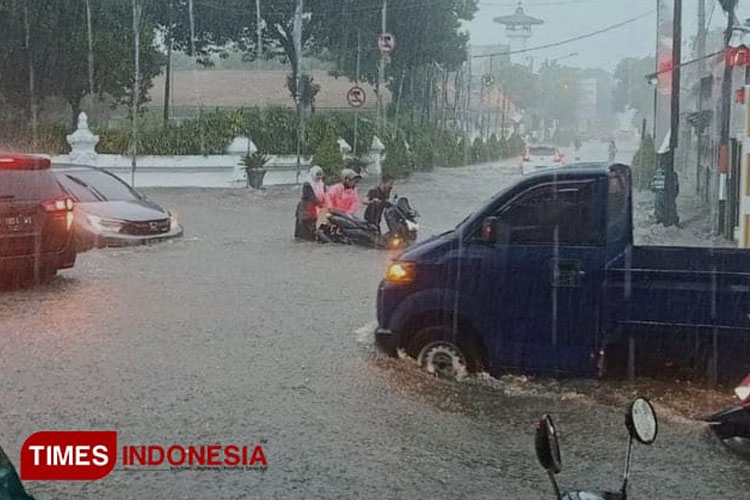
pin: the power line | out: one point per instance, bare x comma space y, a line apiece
570, 40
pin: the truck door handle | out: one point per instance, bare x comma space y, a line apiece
567, 273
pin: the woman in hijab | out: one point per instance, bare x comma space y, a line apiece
313, 199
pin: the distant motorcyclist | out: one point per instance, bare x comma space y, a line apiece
612, 150
376, 200
344, 196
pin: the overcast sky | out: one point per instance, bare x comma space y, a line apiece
568, 18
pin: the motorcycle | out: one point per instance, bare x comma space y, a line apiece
733, 422
400, 218
642, 426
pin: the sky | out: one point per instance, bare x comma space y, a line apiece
568, 18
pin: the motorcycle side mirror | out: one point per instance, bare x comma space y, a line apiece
547, 446
548, 450
643, 426
641, 421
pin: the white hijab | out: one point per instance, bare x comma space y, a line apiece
318, 186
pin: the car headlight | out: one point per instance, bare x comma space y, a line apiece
174, 219
104, 225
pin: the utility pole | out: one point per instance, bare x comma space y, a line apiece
91, 47
191, 13
258, 28
136, 86
670, 217
168, 76
356, 80
381, 74
298, 81
726, 102
32, 89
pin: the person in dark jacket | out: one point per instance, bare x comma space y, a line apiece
376, 200
314, 198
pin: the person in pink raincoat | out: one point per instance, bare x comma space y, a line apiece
344, 196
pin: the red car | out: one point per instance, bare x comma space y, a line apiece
36, 220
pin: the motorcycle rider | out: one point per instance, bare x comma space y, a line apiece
376, 198
344, 196
612, 150
314, 198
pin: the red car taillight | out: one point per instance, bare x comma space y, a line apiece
58, 205
63, 205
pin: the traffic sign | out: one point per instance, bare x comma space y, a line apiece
488, 80
386, 43
356, 97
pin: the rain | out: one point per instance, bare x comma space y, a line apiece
379, 241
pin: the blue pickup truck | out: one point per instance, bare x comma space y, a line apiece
545, 278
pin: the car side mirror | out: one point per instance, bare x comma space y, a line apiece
547, 446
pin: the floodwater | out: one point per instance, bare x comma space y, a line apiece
237, 334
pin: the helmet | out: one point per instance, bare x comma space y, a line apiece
349, 175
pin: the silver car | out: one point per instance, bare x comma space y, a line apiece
109, 213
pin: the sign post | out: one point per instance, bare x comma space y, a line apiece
356, 97
744, 195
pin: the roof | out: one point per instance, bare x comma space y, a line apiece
573, 170
518, 18
250, 88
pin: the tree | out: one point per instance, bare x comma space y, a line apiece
59, 55
631, 88
520, 84
328, 156
428, 35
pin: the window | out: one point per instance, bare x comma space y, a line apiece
552, 214
28, 185
93, 185
542, 151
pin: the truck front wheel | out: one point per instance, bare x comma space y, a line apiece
443, 354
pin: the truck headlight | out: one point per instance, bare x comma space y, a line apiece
401, 272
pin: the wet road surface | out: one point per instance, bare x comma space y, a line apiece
237, 334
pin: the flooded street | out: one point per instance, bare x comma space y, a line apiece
236, 333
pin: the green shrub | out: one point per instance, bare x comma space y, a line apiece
328, 156
50, 139
396, 163
493, 148
504, 148
644, 163
516, 145
424, 153
479, 153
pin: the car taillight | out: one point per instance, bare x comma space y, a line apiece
24, 162
58, 205
62, 205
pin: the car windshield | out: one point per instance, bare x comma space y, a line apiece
232, 302
93, 186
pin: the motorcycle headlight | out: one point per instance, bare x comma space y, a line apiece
104, 225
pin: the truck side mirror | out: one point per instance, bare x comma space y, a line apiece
494, 231
547, 446
489, 230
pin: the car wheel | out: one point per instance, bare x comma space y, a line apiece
443, 359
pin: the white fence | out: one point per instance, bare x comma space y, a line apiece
195, 170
